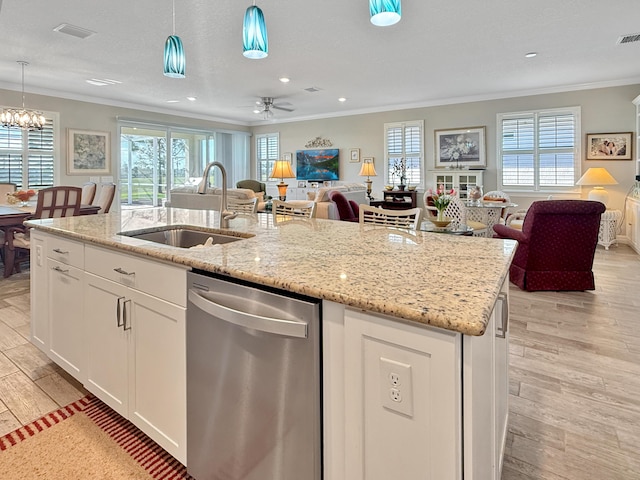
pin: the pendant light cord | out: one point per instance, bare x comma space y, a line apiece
23, 65
173, 14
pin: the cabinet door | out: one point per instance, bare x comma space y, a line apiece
485, 399
446, 180
107, 343
66, 327
39, 288
633, 225
158, 372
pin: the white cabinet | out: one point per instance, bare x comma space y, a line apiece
485, 398
444, 416
136, 343
632, 220
39, 289
65, 263
461, 181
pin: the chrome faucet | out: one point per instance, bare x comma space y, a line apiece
225, 215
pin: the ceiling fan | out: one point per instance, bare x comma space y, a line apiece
266, 104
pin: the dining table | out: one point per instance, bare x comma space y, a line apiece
15, 215
488, 213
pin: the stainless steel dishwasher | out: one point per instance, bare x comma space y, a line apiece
253, 383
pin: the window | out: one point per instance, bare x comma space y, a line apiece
267, 152
155, 158
27, 158
404, 140
539, 151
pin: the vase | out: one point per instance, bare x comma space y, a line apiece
401, 187
440, 217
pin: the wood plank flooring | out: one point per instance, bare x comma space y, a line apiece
574, 411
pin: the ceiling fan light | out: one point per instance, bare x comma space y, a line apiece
385, 12
174, 59
254, 34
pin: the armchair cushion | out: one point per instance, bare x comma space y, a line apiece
556, 245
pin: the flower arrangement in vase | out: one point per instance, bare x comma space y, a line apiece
400, 169
441, 200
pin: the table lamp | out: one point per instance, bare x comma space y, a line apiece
282, 170
597, 177
368, 170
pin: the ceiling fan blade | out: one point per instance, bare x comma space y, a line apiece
282, 108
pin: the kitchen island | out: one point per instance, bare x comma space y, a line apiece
435, 303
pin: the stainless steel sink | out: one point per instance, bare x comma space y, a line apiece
184, 237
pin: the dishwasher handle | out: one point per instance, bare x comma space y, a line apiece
277, 326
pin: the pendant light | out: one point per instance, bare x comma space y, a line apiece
385, 12
174, 59
254, 34
24, 119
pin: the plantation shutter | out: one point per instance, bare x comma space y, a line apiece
267, 152
404, 140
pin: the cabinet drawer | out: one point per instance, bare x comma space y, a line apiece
149, 276
65, 251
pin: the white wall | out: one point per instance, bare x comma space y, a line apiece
603, 110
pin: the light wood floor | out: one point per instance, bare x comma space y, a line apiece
574, 375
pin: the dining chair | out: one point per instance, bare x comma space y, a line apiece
243, 205
407, 218
53, 202
498, 196
6, 188
457, 212
296, 208
105, 199
88, 193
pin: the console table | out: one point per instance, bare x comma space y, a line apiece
608, 227
396, 200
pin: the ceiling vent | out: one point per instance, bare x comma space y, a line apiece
74, 31
634, 37
313, 89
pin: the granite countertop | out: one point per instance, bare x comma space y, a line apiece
447, 281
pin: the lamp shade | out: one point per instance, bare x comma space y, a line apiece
597, 177
254, 34
282, 169
174, 59
385, 12
367, 170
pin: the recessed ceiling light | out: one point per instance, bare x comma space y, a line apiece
285, 79
342, 99
257, 111
191, 99
530, 54
173, 101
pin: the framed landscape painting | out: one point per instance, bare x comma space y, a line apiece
88, 152
609, 146
462, 147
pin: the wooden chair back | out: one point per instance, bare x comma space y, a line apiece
107, 192
299, 209
56, 202
243, 205
88, 193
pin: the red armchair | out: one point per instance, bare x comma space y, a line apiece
348, 210
555, 246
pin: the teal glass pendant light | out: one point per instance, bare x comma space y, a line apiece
254, 34
385, 12
174, 59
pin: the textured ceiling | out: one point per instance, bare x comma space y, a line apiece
440, 52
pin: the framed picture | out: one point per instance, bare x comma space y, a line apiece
326, 183
287, 156
354, 155
302, 184
462, 147
609, 146
88, 152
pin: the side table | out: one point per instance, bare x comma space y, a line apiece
608, 227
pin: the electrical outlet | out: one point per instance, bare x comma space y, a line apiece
396, 386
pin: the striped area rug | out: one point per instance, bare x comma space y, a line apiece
152, 458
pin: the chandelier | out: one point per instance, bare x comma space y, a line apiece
22, 118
